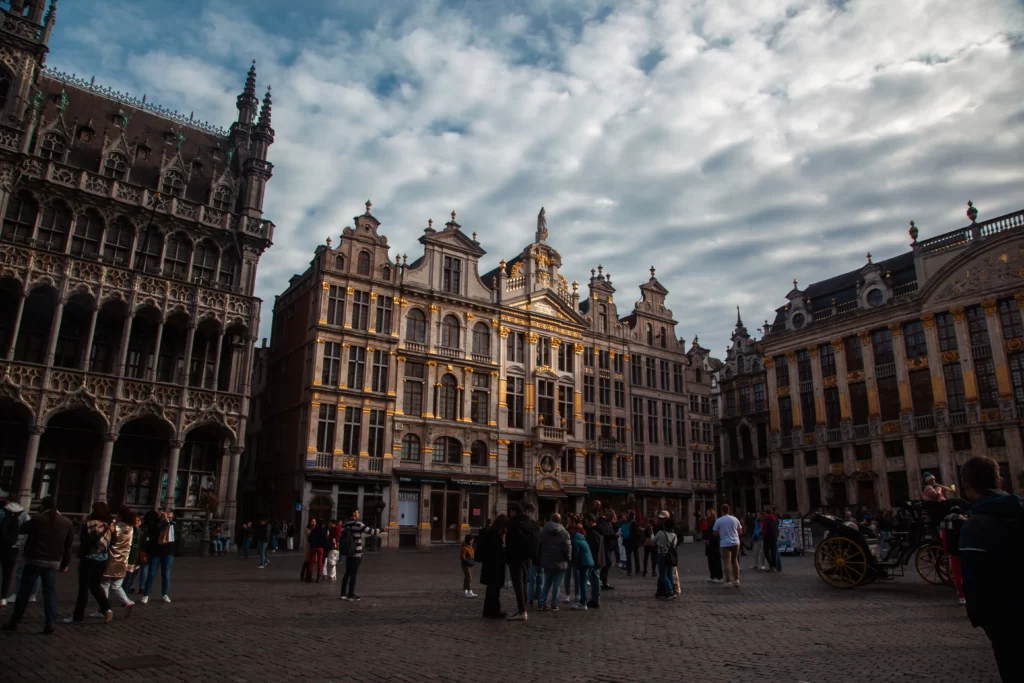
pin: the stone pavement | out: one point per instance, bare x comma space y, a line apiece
232, 622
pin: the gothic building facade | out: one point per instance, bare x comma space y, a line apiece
429, 396
128, 251
906, 365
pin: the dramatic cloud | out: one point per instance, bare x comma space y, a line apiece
735, 145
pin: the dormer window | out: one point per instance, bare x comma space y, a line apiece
116, 167
363, 263
222, 198
173, 184
339, 262
663, 338
385, 273
650, 335
142, 153
876, 297
85, 134
797, 321
53, 147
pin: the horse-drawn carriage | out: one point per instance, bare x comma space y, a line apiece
850, 557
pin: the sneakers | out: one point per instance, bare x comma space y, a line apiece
472, 594
3, 602
727, 584
108, 617
96, 615
128, 609
71, 620
259, 566
544, 608
580, 606
32, 598
518, 616
345, 597
166, 599
736, 584
145, 600
567, 600
468, 594
961, 601
554, 608
354, 598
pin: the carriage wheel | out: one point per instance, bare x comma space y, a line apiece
932, 564
840, 562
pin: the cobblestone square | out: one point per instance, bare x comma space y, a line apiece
230, 621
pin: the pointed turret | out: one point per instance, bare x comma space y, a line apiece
265, 111
247, 101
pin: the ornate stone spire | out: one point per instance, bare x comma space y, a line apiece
265, 111
542, 226
247, 102
739, 320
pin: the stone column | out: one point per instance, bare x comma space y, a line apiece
9, 351
492, 404
190, 338
28, 466
103, 477
963, 343
58, 316
819, 388
466, 389
371, 316
231, 504
935, 360
995, 336
172, 471
397, 382
318, 363
325, 287
401, 322
151, 372
794, 392
122, 352
899, 348
87, 351
530, 362
773, 395
364, 437
430, 389
216, 361
868, 355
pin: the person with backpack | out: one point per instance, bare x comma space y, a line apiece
351, 546
596, 542
47, 550
519, 549
583, 565
631, 538
467, 555
93, 553
666, 541
991, 555
12, 517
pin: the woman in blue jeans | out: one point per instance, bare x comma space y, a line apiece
161, 554
666, 541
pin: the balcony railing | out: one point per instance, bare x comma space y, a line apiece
448, 353
324, 461
787, 440
605, 443
885, 370
861, 431
416, 347
925, 421
482, 357
957, 419
376, 465
981, 351
834, 435
549, 433
806, 385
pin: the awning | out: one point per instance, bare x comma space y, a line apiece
576, 490
599, 489
422, 479
513, 484
551, 494
668, 493
473, 482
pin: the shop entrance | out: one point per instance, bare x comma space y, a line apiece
444, 516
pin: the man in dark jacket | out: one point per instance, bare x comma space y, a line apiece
47, 551
161, 554
520, 544
991, 554
261, 535
605, 527
555, 553
596, 542
631, 539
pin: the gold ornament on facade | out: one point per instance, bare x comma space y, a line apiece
829, 381
1014, 344
555, 342
769, 363
532, 337
989, 305
950, 356
809, 439
325, 284
895, 329
928, 319
837, 345
957, 312
504, 332
349, 290
469, 316
891, 427
991, 415
791, 356
577, 348
373, 296
515, 474
783, 391
854, 375
517, 269
917, 363
494, 322
813, 350
434, 308
864, 336
348, 463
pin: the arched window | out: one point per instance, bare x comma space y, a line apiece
55, 225
363, 263
173, 184
228, 269
5, 87
450, 332
20, 219
221, 198
755, 366
116, 166
482, 339
739, 365
650, 335
117, 247
416, 326
478, 454
147, 251
385, 273
88, 235
448, 398
176, 257
411, 447
339, 262
204, 264
53, 147
447, 449
664, 337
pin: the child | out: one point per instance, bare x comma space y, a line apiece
583, 564
467, 556
331, 560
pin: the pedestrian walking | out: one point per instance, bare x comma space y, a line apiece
93, 553
317, 543
122, 543
46, 551
666, 541
631, 540
605, 528
770, 534
161, 554
728, 530
650, 551
536, 583
490, 551
331, 553
555, 554
712, 549
352, 548
596, 542
12, 517
467, 561
583, 564
135, 558
261, 537
991, 552
246, 539
520, 544
275, 534
757, 539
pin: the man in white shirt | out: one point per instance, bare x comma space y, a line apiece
728, 529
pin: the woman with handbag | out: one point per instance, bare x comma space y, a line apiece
666, 542
93, 552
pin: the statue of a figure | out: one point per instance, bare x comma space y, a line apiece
542, 226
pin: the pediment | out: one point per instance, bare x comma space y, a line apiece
118, 145
453, 238
546, 304
978, 272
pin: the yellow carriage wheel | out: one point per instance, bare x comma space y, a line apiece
840, 562
932, 563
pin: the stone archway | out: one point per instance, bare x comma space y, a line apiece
15, 419
69, 450
138, 462
203, 465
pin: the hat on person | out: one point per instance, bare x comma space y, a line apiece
663, 514
927, 476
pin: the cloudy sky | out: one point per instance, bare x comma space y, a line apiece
733, 144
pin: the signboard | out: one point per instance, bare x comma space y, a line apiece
793, 537
298, 507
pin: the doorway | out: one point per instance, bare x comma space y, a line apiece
838, 498
866, 493
545, 508
444, 516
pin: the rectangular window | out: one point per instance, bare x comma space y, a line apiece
947, 331
835, 456
1016, 363
588, 388
744, 400
988, 390
588, 356
790, 485
606, 427
694, 403
546, 401
814, 493
694, 432
351, 433
376, 435
697, 469
705, 405
452, 275
730, 403
617, 364
332, 364
913, 338
565, 408
605, 391
385, 305
677, 378
589, 427
978, 328
514, 347
859, 403
803, 365
590, 463
786, 415
516, 455
664, 375
927, 444
666, 424
379, 379
652, 422
566, 357
356, 367
1009, 317
635, 370
892, 449
360, 310
807, 413
412, 393
827, 354
480, 401
705, 432
606, 464
811, 458
921, 391
603, 362
954, 387
854, 354
832, 409
881, 341
336, 306
515, 397
325, 428
638, 419
781, 371
888, 398
620, 393
655, 466
543, 352
668, 469
680, 426
961, 441
862, 451
620, 430
899, 487
994, 438
759, 397
649, 365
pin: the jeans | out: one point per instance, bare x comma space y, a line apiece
316, 563
664, 576
519, 573
770, 551
731, 563
17, 578
595, 585
246, 544
552, 577
609, 562
129, 581
165, 573
582, 579
273, 543
650, 554
31, 574
262, 549
218, 546
567, 583
467, 578
536, 583
117, 587
778, 558
331, 565
760, 561
632, 559
351, 572
90, 578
